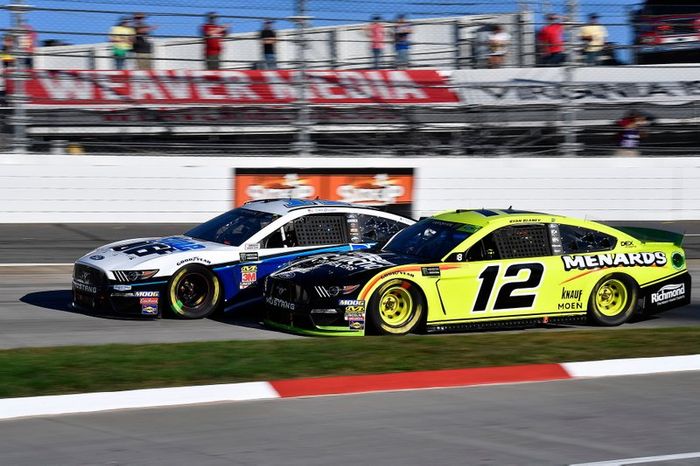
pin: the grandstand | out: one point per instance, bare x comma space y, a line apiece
447, 103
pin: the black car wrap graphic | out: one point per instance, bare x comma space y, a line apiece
323, 290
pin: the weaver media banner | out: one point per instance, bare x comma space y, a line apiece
176, 87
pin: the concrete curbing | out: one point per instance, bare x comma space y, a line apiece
14, 408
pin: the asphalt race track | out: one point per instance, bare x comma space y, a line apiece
552, 423
35, 299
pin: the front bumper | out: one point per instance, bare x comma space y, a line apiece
289, 307
94, 292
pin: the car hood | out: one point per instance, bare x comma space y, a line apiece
152, 253
339, 269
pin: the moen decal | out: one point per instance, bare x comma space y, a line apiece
669, 293
571, 300
626, 259
249, 276
432, 271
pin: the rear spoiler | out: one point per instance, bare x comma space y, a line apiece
651, 235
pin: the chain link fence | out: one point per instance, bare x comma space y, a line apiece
450, 36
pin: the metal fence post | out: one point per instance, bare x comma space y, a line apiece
17, 98
568, 125
457, 37
333, 47
303, 146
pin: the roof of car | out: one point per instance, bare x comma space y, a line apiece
283, 206
482, 217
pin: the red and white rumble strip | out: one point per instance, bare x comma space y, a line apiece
11, 408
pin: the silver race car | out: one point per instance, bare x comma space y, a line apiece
222, 263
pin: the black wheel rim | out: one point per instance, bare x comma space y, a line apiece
192, 291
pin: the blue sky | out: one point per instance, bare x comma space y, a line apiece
247, 15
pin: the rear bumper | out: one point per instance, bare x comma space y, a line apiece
667, 294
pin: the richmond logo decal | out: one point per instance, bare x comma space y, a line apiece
669, 293
627, 259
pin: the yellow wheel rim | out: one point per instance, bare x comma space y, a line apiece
611, 298
396, 306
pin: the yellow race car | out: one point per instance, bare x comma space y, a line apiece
473, 269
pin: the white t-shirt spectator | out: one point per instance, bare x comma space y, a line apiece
498, 43
594, 35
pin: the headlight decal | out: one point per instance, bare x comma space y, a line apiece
128, 276
333, 291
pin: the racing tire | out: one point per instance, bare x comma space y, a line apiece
396, 308
193, 292
613, 300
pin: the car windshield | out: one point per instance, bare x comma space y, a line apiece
233, 227
429, 239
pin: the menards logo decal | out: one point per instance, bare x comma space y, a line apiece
627, 259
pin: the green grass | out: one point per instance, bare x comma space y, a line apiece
44, 371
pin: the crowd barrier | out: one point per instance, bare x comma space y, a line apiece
159, 189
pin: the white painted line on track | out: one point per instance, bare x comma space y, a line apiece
643, 459
11, 408
633, 366
37, 264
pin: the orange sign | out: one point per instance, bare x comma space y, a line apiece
374, 187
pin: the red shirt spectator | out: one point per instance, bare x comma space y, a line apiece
213, 37
552, 38
376, 35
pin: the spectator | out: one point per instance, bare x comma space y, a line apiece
593, 35
213, 35
122, 37
375, 32
402, 41
630, 134
551, 42
481, 48
142, 47
498, 41
608, 56
268, 37
26, 41
8, 51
